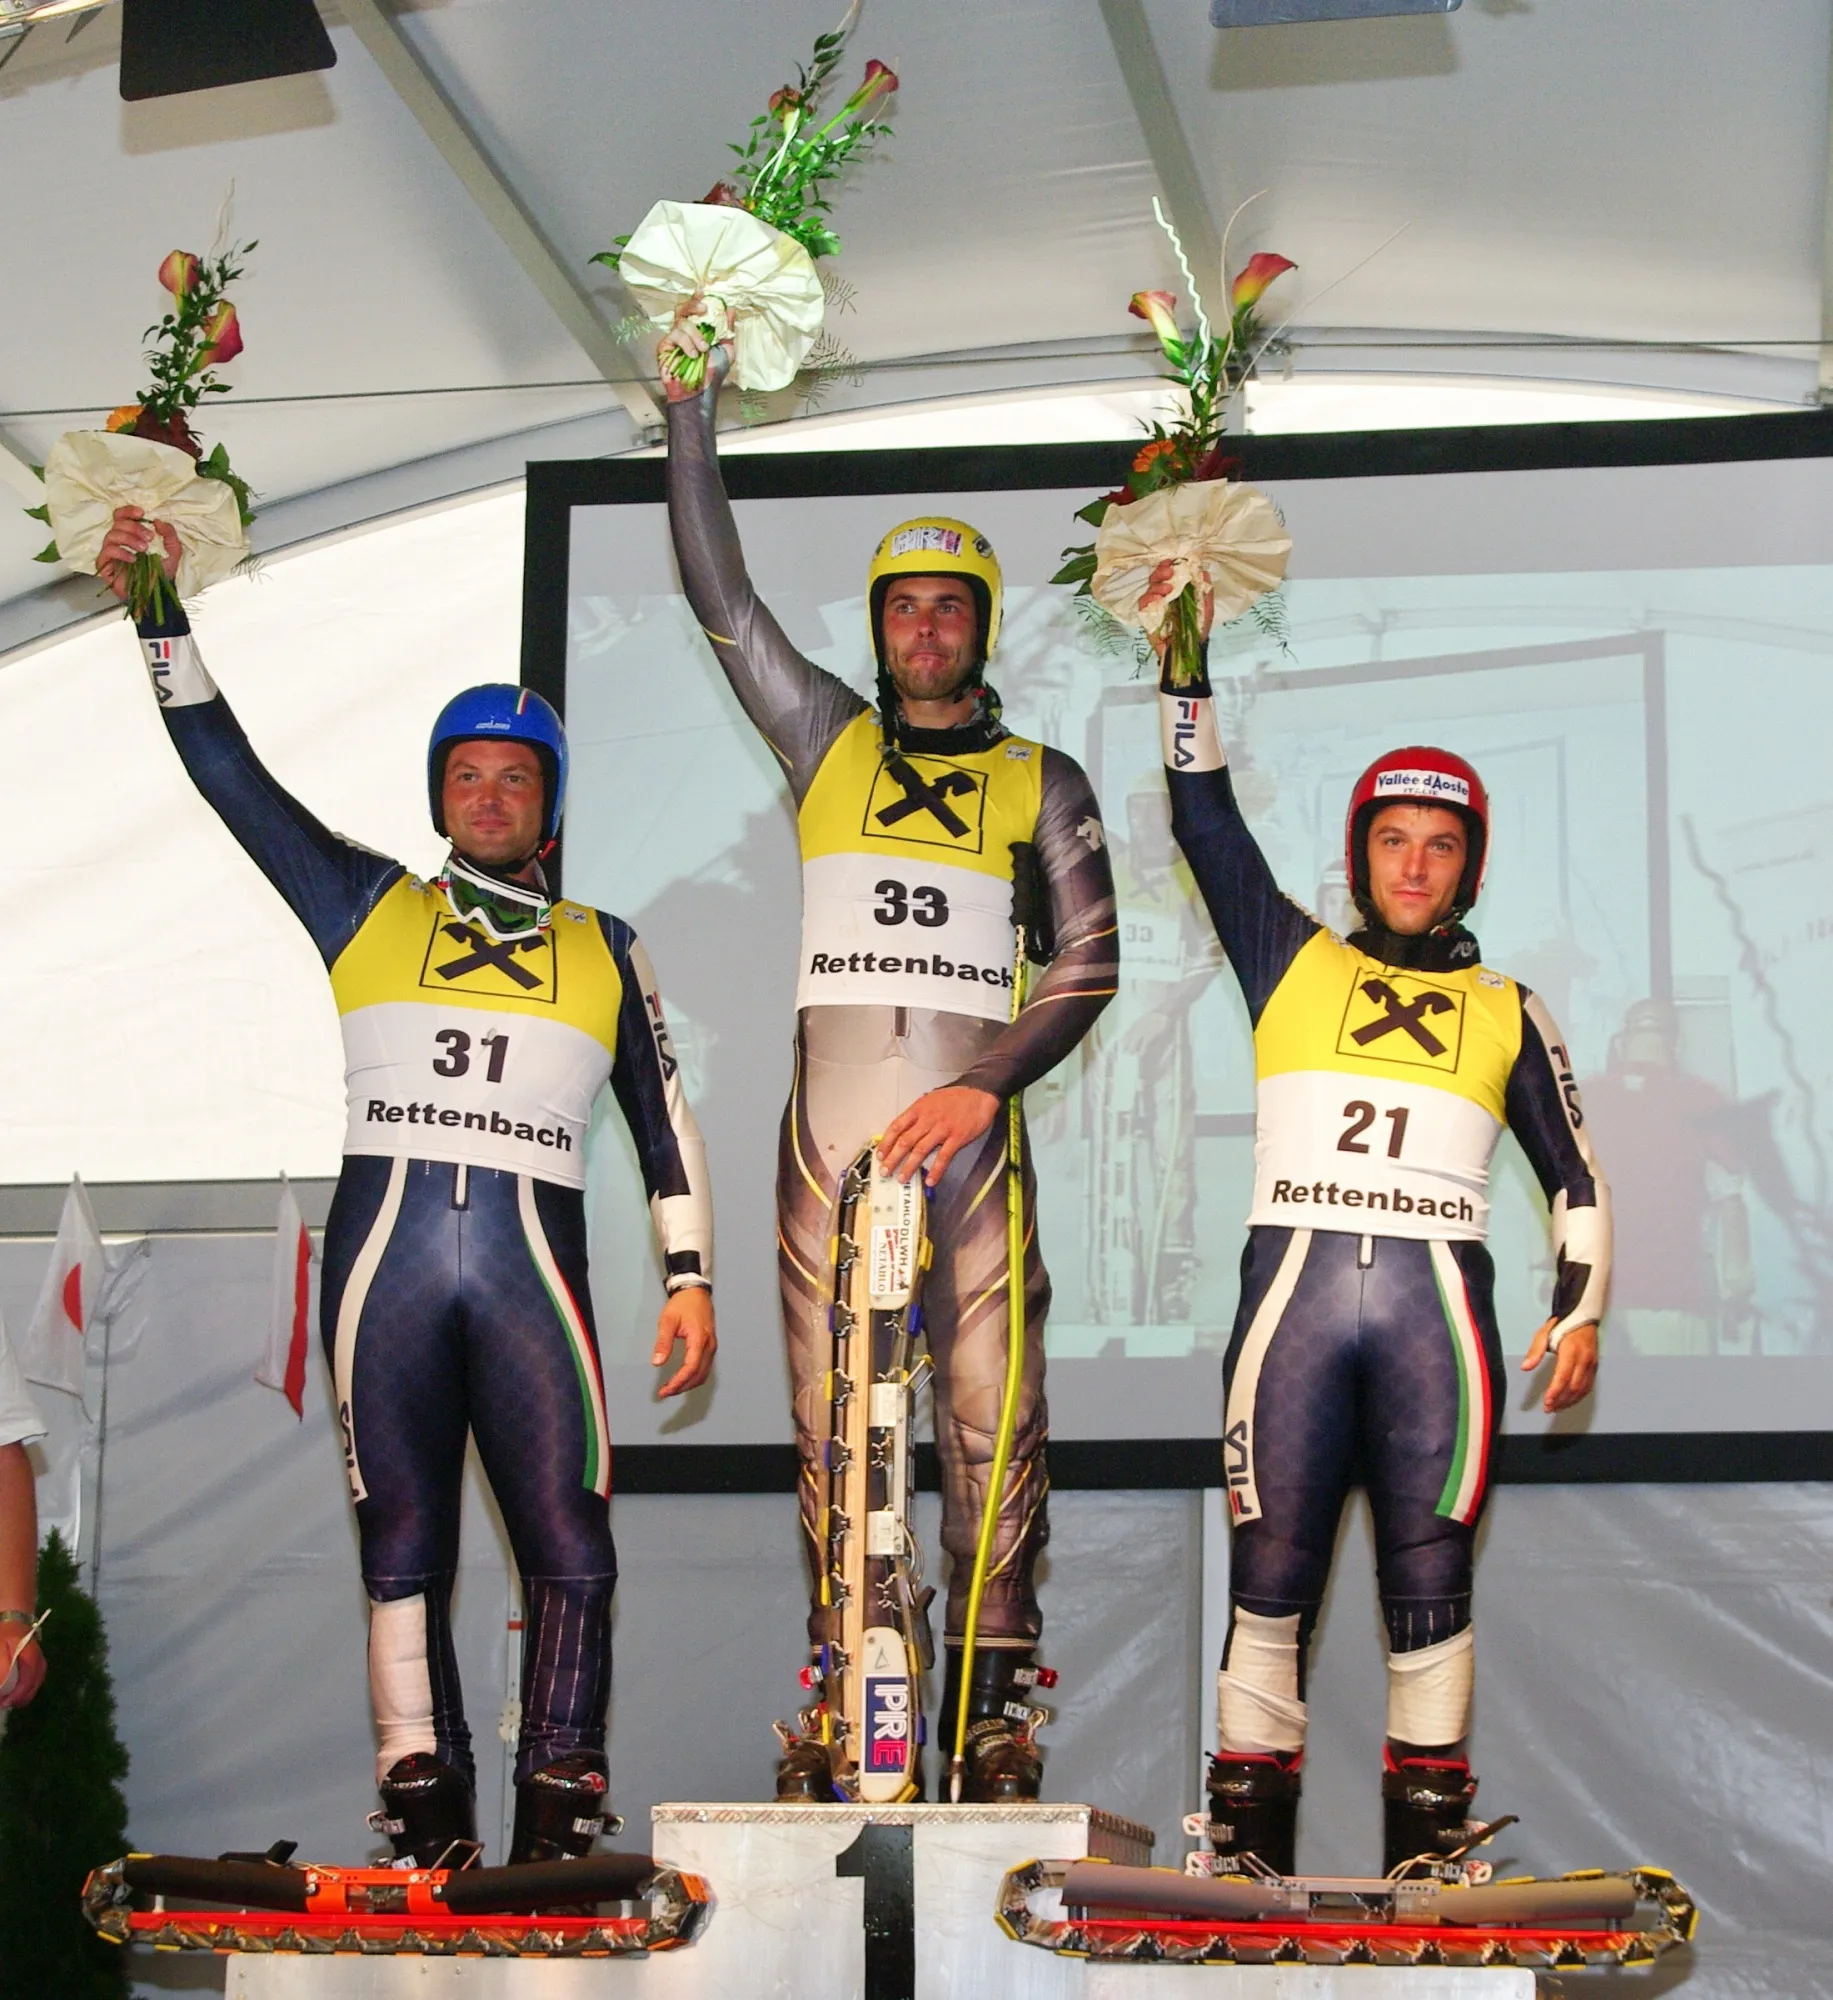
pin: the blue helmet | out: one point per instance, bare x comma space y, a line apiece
512, 715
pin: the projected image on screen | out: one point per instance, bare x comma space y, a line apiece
1661, 874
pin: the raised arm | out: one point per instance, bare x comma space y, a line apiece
798, 707
1080, 980
1261, 929
329, 883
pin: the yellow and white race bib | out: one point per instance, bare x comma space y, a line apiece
459, 1048
907, 875
1381, 1095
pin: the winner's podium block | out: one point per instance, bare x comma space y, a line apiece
854, 1902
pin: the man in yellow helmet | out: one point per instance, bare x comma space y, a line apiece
929, 833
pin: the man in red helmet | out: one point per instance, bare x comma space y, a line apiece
1365, 1346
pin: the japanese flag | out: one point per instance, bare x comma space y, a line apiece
52, 1352
283, 1366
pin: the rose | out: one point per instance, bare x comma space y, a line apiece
178, 273
1255, 276
1157, 309
222, 336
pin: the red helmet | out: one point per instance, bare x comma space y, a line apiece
1418, 775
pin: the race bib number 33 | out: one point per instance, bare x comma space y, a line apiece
882, 930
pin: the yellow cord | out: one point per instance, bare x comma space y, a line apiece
1008, 1404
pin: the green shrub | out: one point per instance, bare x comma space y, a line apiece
61, 1808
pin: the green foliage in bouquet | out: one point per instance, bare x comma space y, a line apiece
61, 1808
791, 151
1209, 367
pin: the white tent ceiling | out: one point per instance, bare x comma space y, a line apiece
1619, 192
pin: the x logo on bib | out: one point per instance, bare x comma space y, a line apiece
1400, 1019
462, 960
943, 806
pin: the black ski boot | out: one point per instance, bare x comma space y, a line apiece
560, 1810
429, 1813
1253, 1809
804, 1776
1425, 1804
1003, 1764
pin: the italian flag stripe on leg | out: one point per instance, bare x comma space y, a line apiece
1469, 1475
585, 1361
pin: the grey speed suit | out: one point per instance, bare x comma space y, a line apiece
861, 1057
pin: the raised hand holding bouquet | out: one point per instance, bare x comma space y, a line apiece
740, 263
150, 457
1181, 541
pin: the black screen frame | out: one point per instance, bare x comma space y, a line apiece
557, 486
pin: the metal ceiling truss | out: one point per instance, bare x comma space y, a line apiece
375, 27
1167, 145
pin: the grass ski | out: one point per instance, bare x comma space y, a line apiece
870, 1711
600, 1905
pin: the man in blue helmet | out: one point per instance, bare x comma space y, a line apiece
480, 1020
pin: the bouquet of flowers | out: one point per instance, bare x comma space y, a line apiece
1182, 540
746, 251
149, 456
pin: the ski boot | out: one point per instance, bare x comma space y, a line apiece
1425, 1805
560, 1810
429, 1813
1003, 1764
1253, 1810
804, 1777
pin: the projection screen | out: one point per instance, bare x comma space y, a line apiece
1627, 628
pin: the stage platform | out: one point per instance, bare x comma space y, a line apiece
857, 1903
479, 1979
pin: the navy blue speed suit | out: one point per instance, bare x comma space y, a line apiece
1366, 1341
455, 1296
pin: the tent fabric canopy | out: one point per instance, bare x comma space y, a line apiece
1569, 183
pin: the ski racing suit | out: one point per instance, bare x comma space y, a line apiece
914, 853
1365, 1345
455, 1294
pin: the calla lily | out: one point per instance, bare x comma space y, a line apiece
722, 194
1255, 276
123, 419
880, 81
788, 99
222, 336
178, 273
1158, 310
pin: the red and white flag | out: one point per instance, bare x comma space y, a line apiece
52, 1352
283, 1366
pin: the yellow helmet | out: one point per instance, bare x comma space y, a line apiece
934, 545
